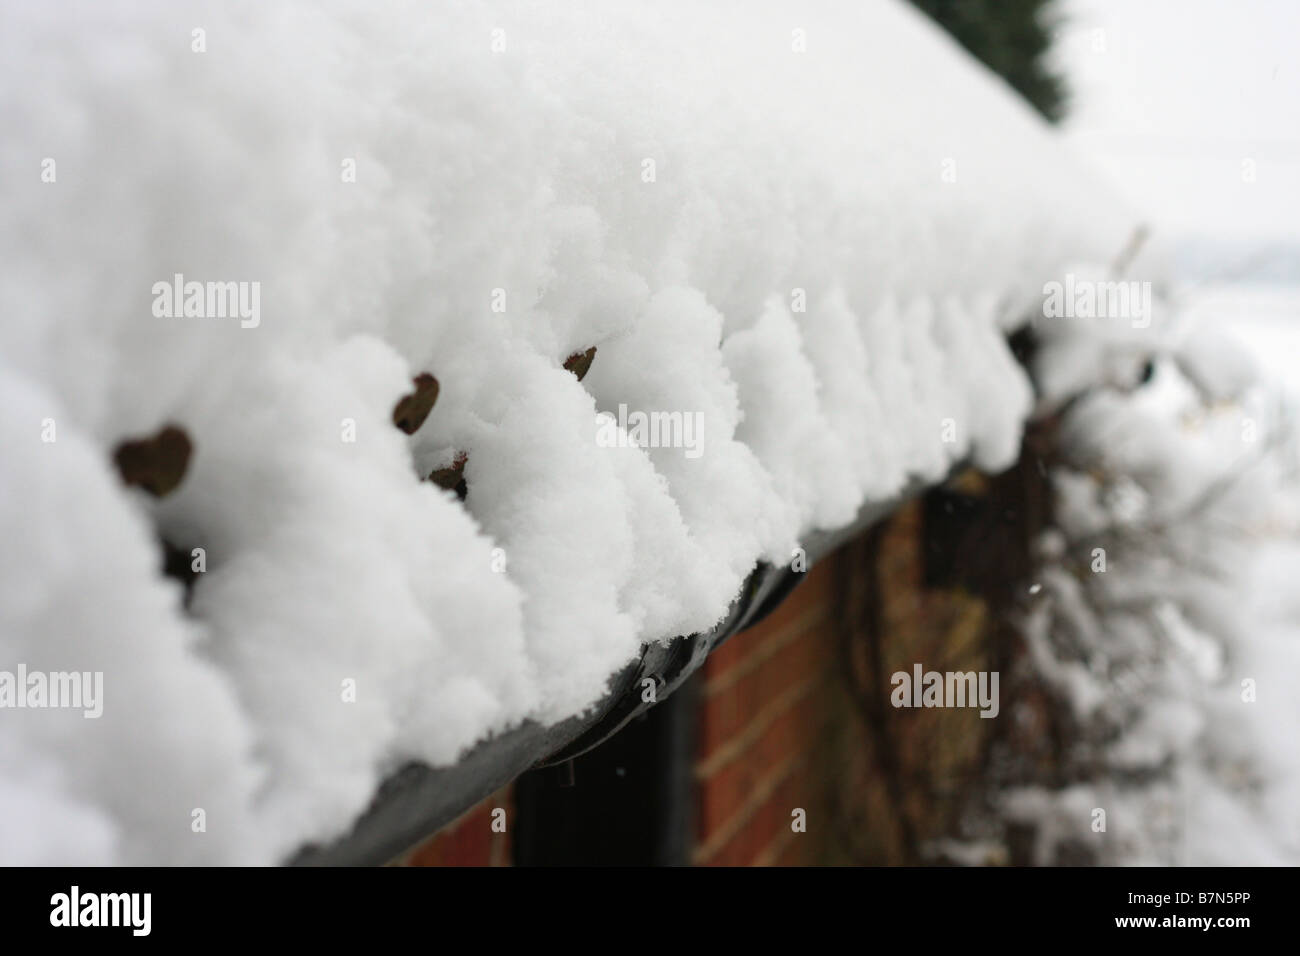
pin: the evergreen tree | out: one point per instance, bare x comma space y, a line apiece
1011, 37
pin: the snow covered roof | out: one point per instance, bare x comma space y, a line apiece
759, 216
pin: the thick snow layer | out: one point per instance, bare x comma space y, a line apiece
803, 227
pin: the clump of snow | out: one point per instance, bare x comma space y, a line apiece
808, 228
80, 591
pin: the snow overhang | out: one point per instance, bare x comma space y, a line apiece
419, 800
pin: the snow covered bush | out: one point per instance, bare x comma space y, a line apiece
1158, 631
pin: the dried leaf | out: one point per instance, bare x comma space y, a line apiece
453, 477
155, 464
411, 411
580, 362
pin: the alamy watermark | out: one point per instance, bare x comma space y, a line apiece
74, 908
71, 690
1081, 298
208, 300
924, 688
651, 430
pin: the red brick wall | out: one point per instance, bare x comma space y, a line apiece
470, 840
761, 717
790, 720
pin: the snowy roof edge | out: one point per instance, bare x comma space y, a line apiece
418, 800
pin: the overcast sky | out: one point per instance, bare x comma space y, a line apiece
1184, 101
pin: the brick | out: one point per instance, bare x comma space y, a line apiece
818, 590
469, 840
729, 778
786, 659
767, 820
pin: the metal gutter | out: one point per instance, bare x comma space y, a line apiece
418, 800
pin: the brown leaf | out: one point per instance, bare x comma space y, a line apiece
453, 477
411, 411
580, 362
155, 464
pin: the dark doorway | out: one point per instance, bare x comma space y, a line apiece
625, 803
